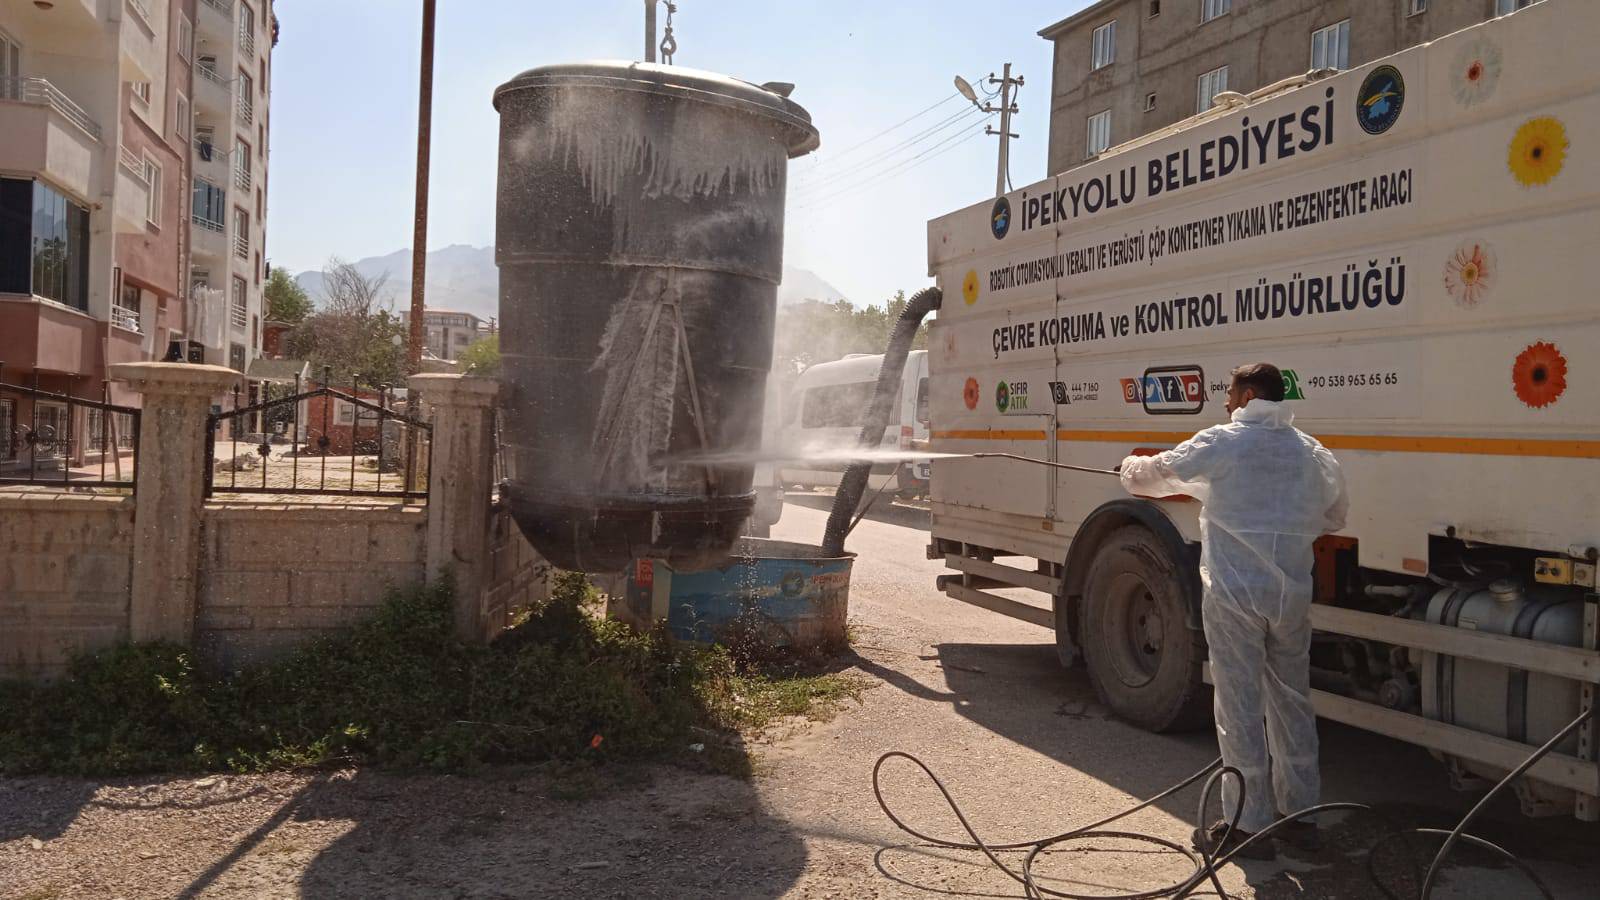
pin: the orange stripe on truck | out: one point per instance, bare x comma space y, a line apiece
1475, 446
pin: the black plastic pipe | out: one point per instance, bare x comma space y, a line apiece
854, 481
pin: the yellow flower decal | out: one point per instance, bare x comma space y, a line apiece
969, 287
1538, 150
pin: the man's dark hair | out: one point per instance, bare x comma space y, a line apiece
1263, 378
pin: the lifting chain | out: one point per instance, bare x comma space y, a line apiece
669, 44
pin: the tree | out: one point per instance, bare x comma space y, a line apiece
354, 334
482, 357
286, 300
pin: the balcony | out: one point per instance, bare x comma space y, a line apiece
208, 239
244, 112
132, 193
211, 161
215, 19
48, 134
212, 94
241, 173
241, 246
247, 41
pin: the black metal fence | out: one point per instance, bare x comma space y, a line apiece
321, 440
55, 438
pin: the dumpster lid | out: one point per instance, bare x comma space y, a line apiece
676, 81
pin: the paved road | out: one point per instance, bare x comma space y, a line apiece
1022, 743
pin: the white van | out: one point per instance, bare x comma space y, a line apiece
769, 490
824, 414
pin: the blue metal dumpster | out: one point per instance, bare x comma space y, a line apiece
794, 595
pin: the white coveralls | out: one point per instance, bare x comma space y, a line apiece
1267, 490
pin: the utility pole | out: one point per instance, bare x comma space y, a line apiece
419, 236
650, 31
1007, 107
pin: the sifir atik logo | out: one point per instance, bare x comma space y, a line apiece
1000, 218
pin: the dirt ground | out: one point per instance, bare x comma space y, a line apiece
1020, 742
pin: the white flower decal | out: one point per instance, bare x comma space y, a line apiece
1476, 72
1470, 273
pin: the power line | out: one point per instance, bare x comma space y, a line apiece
949, 143
824, 167
918, 114
907, 144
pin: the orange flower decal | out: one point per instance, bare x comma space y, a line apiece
969, 287
1539, 375
970, 394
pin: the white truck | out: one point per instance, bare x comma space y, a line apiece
1410, 241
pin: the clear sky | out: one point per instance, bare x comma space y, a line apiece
344, 114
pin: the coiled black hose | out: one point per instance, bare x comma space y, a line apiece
1205, 864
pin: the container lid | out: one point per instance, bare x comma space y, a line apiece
675, 81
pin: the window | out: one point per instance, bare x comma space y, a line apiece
181, 117
1098, 133
8, 427
185, 37
10, 66
44, 243
245, 91
125, 311
50, 420
1210, 9
1416, 6
247, 29
1501, 7
922, 414
1209, 86
258, 204
210, 205
152, 196
1155, 8
239, 308
1103, 46
256, 269
1150, 102
241, 234
236, 357
836, 405
241, 165
1330, 47
141, 91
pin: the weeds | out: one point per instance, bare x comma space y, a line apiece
401, 691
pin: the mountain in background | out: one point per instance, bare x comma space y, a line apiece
464, 278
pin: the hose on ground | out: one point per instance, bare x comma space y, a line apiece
1204, 862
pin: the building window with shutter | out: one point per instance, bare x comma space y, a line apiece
1099, 133
1103, 46
1209, 86
1330, 46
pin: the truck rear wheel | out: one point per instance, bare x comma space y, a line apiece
1143, 659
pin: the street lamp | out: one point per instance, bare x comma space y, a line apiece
1006, 108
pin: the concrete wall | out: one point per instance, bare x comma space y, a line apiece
1260, 41
274, 575
64, 573
243, 581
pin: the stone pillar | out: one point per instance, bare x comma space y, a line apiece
459, 485
169, 483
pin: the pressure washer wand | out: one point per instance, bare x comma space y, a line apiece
1046, 462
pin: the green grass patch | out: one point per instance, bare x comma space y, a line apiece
400, 691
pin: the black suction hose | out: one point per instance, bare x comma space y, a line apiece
854, 481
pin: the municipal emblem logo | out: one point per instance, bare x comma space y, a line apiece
1380, 99
1000, 217
792, 584
1002, 397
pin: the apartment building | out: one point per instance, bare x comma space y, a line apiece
449, 332
233, 41
102, 107
1123, 68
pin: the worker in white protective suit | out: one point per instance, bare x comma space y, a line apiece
1268, 490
